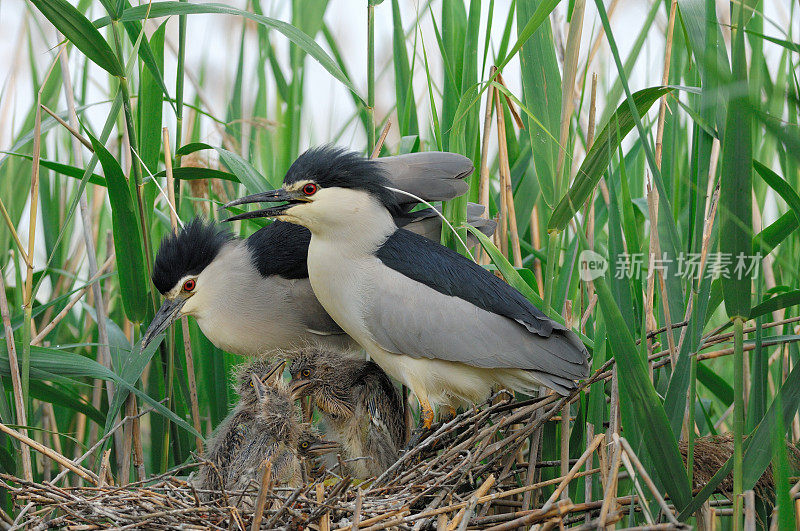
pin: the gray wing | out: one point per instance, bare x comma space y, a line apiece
407, 317
433, 176
427, 223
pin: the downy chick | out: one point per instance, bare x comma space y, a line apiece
359, 403
278, 436
237, 428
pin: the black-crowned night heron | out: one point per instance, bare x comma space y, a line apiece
253, 296
441, 324
360, 406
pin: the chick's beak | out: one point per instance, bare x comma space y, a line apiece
165, 316
297, 388
273, 196
274, 371
322, 447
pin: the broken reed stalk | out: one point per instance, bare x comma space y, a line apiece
598, 40
44, 450
19, 399
73, 131
501, 232
187, 341
379, 144
662, 107
567, 89
264, 490
506, 189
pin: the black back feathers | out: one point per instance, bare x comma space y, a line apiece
330, 166
188, 252
449, 273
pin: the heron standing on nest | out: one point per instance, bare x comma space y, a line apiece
436, 321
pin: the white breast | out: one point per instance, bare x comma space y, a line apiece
341, 282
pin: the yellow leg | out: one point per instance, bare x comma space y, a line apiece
427, 413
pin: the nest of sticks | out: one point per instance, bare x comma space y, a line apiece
472, 472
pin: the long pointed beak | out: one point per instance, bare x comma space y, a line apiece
322, 447
258, 385
164, 317
297, 387
273, 196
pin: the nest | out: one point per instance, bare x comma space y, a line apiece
470, 472
713, 451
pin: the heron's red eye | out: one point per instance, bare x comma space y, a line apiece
189, 285
310, 189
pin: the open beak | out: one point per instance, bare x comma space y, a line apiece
297, 387
274, 372
164, 317
273, 196
322, 447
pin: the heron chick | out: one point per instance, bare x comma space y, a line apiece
431, 318
235, 430
264, 425
277, 437
359, 404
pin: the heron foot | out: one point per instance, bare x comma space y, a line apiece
427, 415
424, 428
417, 436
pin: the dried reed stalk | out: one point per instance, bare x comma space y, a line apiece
187, 341
483, 186
506, 191
13, 363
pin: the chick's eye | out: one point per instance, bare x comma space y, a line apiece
310, 189
304, 445
189, 285
306, 373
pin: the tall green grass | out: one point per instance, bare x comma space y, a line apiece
731, 124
